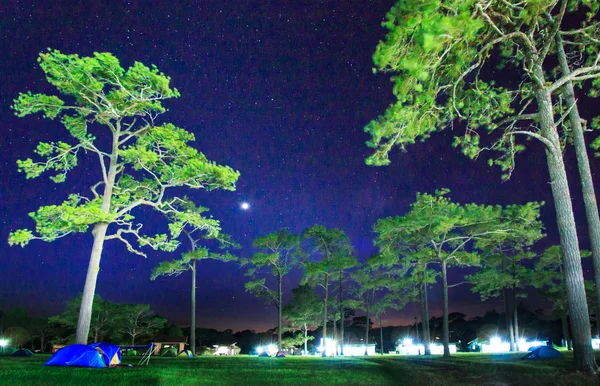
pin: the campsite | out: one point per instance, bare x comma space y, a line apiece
462, 369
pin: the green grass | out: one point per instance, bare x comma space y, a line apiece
461, 369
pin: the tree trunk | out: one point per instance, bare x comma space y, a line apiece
133, 340
445, 327
425, 322
367, 332
417, 328
509, 325
341, 316
381, 333
87, 299
325, 316
585, 174
193, 316
565, 331
334, 323
42, 342
279, 311
305, 340
515, 316
580, 321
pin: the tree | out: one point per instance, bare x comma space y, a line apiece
277, 258
194, 231
138, 320
342, 263
102, 319
303, 312
441, 52
138, 169
41, 329
328, 245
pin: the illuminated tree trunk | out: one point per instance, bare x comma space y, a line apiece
279, 311
445, 327
99, 233
583, 164
367, 332
341, 316
381, 333
516, 316
305, 339
509, 324
565, 331
425, 318
325, 316
580, 321
193, 320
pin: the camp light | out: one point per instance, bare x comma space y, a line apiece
3, 343
407, 342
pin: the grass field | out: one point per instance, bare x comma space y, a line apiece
462, 369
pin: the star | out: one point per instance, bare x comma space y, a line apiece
245, 206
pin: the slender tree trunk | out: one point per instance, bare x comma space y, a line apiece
99, 233
583, 164
341, 315
381, 333
580, 321
565, 331
367, 332
279, 311
193, 316
425, 322
509, 325
133, 340
417, 328
515, 315
325, 316
334, 323
42, 341
445, 327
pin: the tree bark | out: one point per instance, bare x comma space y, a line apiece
445, 327
325, 316
515, 316
279, 311
193, 316
585, 174
42, 341
425, 322
305, 340
509, 325
341, 315
133, 340
582, 338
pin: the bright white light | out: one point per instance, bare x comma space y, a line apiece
496, 345
259, 350
407, 342
330, 347
596, 343
438, 348
245, 206
495, 341
3, 343
271, 349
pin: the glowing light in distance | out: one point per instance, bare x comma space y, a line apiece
3, 343
407, 342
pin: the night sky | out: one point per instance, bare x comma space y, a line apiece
279, 90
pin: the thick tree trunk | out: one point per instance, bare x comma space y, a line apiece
193, 316
445, 327
341, 315
87, 299
381, 333
305, 340
425, 322
367, 332
509, 325
133, 340
580, 321
279, 311
585, 174
325, 316
565, 331
334, 323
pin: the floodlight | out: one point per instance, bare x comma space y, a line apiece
407, 342
3, 343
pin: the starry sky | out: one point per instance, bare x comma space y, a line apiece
278, 90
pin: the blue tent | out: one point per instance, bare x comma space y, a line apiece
22, 352
111, 353
77, 355
543, 352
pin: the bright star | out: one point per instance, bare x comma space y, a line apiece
245, 206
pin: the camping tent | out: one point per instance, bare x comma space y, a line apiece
543, 352
111, 353
186, 354
280, 354
22, 352
77, 355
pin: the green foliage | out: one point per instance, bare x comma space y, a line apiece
140, 167
304, 309
138, 321
104, 317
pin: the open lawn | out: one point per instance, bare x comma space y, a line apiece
462, 369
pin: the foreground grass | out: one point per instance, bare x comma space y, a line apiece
462, 369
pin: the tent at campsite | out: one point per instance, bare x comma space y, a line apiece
111, 353
280, 354
22, 352
543, 352
186, 354
77, 355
